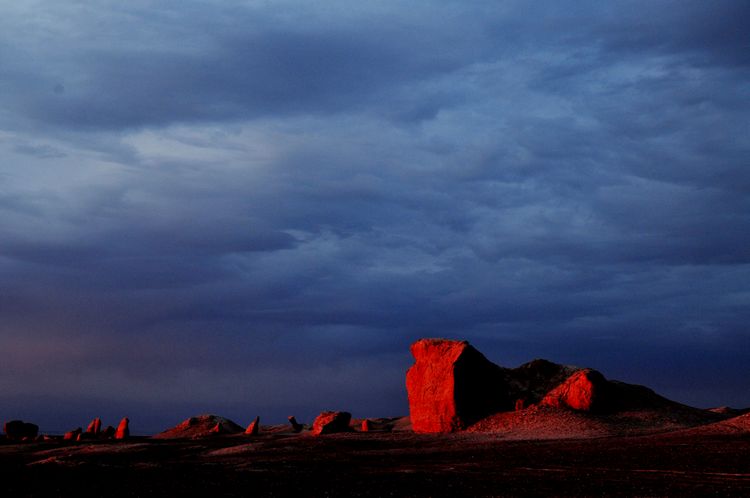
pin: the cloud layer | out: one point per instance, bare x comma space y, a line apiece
254, 208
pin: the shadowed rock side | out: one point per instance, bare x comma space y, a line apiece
201, 426
452, 386
332, 422
20, 430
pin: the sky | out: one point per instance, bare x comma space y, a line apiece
254, 208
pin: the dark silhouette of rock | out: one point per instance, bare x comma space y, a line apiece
123, 430
332, 422
95, 426
296, 426
72, 435
19, 430
108, 433
201, 426
253, 428
520, 404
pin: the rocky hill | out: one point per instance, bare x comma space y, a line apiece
452, 386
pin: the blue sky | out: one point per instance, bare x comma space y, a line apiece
255, 207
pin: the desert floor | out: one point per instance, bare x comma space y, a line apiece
381, 464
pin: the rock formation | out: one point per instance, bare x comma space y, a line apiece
123, 430
72, 435
296, 426
253, 428
108, 433
19, 430
201, 426
452, 385
585, 390
94, 427
366, 425
332, 422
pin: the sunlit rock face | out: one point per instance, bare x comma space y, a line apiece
452, 385
123, 429
332, 422
586, 390
254, 428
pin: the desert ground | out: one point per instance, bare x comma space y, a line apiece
399, 463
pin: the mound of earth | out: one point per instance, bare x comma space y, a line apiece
547, 422
731, 426
201, 426
542, 422
452, 386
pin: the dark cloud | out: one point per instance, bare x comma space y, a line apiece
256, 209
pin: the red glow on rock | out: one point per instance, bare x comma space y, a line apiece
123, 430
582, 391
332, 422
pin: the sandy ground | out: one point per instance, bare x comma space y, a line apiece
383, 464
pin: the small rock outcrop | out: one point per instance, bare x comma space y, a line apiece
585, 391
201, 426
332, 422
108, 433
366, 425
254, 428
296, 426
73, 435
123, 429
94, 427
18, 430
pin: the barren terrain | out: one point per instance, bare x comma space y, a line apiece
400, 463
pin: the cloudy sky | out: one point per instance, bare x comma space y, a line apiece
254, 207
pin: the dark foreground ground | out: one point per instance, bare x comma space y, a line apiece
386, 464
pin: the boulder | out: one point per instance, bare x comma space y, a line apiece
296, 426
452, 385
95, 426
123, 430
19, 430
366, 425
253, 428
72, 435
332, 422
585, 390
108, 433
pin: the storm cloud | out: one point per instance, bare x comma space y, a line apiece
253, 208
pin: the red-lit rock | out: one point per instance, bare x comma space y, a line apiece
19, 430
72, 435
452, 385
95, 426
584, 391
366, 425
123, 429
332, 422
254, 428
201, 426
